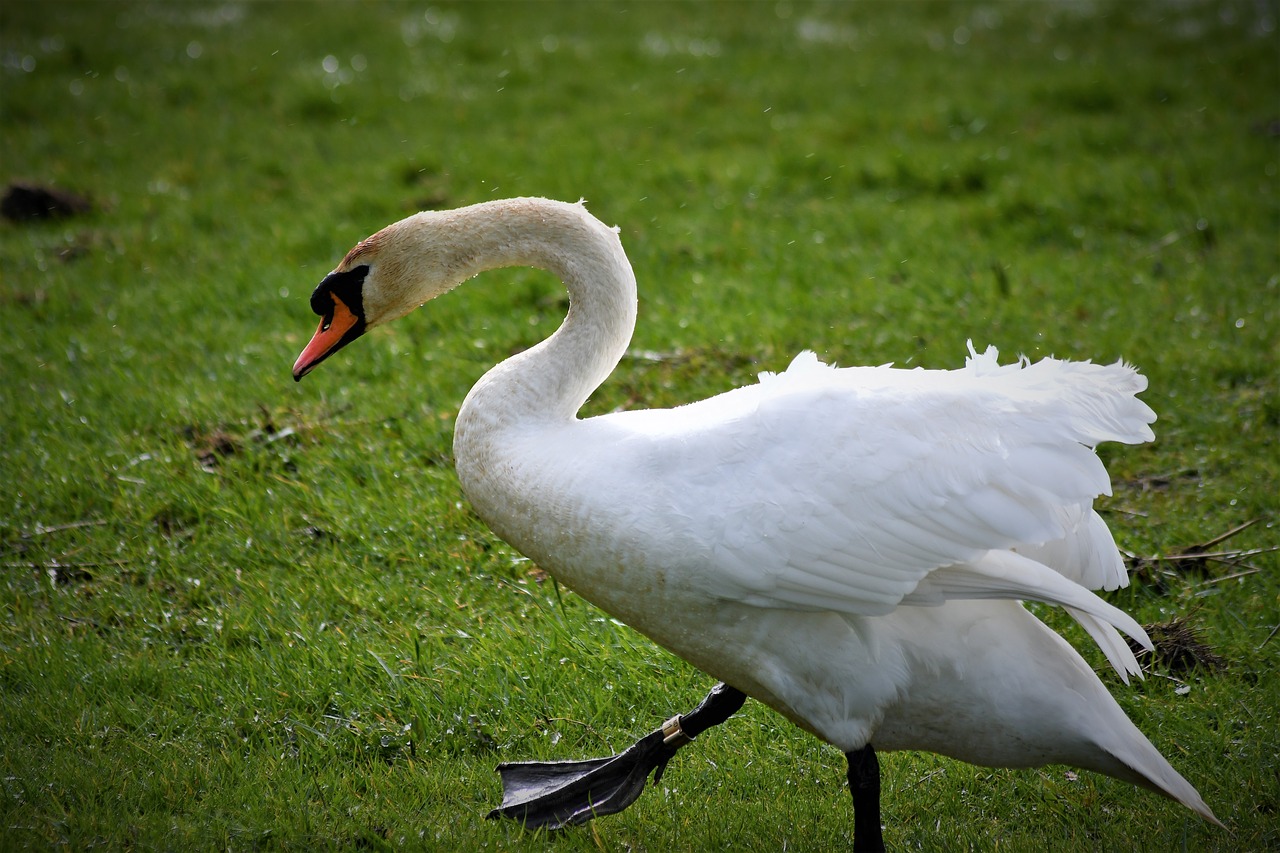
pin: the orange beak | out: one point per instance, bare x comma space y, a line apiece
338, 329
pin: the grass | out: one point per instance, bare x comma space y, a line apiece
244, 613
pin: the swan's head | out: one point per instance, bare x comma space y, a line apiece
384, 277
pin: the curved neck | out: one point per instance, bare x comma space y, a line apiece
550, 381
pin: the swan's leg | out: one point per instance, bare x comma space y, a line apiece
721, 703
556, 794
864, 783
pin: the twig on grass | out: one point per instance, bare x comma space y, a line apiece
1225, 536
54, 565
1177, 645
1235, 575
1198, 555
61, 573
41, 530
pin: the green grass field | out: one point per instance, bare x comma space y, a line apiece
245, 613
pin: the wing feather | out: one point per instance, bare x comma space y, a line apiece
849, 489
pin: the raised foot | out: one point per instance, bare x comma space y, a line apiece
556, 794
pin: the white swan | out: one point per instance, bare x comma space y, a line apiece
847, 546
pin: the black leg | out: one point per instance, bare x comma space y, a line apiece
721, 703
864, 783
556, 794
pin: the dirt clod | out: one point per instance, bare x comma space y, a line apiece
24, 202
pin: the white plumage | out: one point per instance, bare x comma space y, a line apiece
846, 545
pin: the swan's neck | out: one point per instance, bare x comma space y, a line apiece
551, 381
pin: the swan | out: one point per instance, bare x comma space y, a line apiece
849, 546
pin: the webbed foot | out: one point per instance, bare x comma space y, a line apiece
556, 794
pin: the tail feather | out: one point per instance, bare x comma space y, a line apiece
1139, 762
1004, 574
1117, 651
1123, 751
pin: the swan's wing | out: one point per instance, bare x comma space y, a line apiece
847, 490
1087, 554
